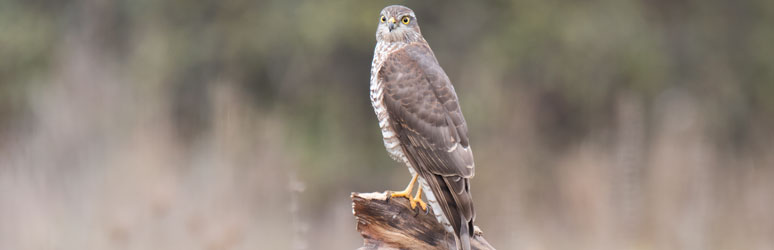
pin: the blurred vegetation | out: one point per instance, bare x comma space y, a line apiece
245, 124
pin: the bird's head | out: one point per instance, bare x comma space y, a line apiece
397, 23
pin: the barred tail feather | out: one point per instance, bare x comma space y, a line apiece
464, 235
456, 205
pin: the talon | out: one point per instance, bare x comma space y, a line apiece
406, 192
413, 201
418, 199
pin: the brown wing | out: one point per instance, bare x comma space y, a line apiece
426, 116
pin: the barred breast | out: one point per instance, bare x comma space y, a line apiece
391, 142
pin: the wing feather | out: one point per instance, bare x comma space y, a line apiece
426, 116
421, 100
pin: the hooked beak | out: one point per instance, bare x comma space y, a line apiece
391, 24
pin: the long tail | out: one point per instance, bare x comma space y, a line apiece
453, 196
464, 234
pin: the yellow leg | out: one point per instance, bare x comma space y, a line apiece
418, 199
407, 192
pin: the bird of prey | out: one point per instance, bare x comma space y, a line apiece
421, 122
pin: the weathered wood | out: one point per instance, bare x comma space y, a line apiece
392, 224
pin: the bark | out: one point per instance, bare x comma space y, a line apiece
386, 223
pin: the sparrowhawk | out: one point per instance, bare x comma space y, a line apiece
421, 121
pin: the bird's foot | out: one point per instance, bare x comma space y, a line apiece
418, 200
403, 193
413, 200
406, 192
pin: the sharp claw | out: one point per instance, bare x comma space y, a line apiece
413, 200
418, 199
406, 192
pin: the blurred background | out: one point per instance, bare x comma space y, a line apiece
598, 124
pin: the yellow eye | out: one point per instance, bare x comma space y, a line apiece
384, 19
406, 20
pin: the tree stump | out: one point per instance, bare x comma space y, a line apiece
386, 223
